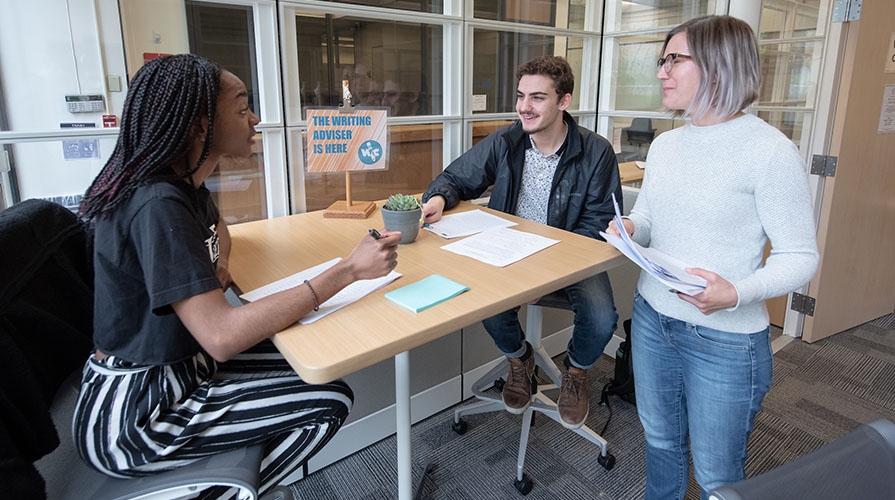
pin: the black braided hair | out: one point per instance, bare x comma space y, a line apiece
166, 99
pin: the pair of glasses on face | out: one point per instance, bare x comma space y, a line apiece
667, 62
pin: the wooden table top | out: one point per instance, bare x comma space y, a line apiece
374, 328
630, 172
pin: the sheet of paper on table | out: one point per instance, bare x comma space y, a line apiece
500, 246
466, 223
347, 295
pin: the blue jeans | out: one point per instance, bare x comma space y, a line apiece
696, 382
595, 321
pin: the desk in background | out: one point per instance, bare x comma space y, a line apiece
374, 329
630, 172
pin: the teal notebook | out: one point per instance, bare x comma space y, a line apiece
426, 292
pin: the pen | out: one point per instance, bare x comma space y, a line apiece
375, 234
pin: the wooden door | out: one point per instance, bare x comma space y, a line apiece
855, 281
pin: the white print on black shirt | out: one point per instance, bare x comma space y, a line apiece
213, 244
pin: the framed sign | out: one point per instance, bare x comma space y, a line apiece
341, 142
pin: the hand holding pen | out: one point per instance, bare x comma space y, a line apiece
376, 255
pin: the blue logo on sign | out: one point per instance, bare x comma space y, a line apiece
370, 152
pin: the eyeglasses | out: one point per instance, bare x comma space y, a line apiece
667, 62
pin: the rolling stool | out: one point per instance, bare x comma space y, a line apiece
540, 401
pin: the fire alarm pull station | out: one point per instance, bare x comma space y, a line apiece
110, 121
91, 103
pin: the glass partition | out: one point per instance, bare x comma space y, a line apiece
389, 64
225, 34
631, 137
791, 38
788, 76
782, 19
482, 129
238, 186
434, 6
636, 87
648, 15
561, 14
496, 55
793, 124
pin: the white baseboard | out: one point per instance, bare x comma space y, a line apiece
377, 426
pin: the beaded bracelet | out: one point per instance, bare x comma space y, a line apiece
313, 295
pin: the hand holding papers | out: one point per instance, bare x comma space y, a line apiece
347, 295
664, 268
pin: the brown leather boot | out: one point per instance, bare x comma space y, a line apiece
517, 389
572, 405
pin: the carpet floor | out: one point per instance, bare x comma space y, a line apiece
821, 391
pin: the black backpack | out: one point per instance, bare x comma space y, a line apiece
622, 384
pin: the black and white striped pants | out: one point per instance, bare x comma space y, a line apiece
136, 420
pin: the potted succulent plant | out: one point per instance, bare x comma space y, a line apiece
402, 212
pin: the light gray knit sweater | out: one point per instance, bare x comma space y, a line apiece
711, 197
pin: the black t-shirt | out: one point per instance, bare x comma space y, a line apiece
158, 247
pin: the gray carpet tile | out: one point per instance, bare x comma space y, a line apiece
821, 391
887, 321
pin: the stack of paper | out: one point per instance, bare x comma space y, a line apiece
426, 292
500, 246
664, 268
466, 223
347, 295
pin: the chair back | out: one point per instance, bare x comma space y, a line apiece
860, 464
46, 323
641, 131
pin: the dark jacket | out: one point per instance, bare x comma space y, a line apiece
46, 323
581, 193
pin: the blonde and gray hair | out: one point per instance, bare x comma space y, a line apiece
725, 51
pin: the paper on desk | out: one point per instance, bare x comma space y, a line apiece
665, 268
500, 246
466, 223
347, 295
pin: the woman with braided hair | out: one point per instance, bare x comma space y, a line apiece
178, 374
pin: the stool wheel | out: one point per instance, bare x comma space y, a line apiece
460, 427
524, 485
607, 461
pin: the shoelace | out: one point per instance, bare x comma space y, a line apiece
571, 385
518, 372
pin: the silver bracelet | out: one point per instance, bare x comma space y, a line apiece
313, 295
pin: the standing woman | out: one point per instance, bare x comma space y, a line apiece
178, 374
715, 191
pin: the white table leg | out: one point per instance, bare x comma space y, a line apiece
402, 411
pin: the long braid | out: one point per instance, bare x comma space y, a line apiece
165, 101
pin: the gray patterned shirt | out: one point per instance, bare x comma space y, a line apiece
537, 179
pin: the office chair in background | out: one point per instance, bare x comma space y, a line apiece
639, 133
860, 464
540, 402
46, 323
